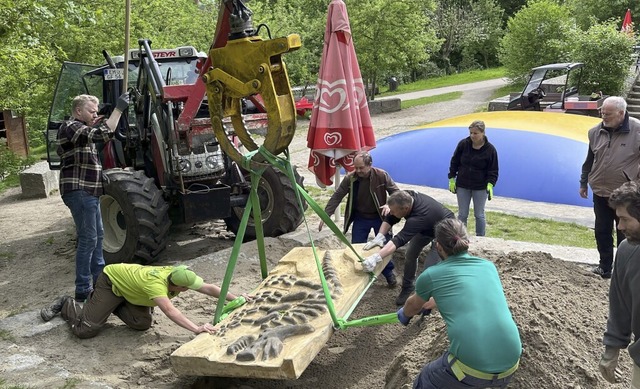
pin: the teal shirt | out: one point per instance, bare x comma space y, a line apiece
470, 298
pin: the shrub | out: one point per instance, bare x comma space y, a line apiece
538, 34
606, 53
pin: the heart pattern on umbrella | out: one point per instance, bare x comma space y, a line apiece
332, 138
332, 96
347, 161
361, 96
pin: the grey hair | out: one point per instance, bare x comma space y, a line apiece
616, 102
400, 198
366, 157
452, 236
628, 196
81, 100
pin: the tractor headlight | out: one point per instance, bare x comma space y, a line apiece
184, 165
211, 162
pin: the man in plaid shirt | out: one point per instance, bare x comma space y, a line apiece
81, 182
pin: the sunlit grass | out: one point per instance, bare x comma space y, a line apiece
504, 226
454, 79
536, 230
430, 100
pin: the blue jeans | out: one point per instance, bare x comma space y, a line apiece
85, 210
360, 234
479, 201
438, 375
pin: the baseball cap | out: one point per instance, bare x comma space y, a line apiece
182, 276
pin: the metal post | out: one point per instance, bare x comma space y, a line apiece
127, 24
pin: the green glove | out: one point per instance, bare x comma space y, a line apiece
490, 191
452, 185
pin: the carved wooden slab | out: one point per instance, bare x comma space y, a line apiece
279, 333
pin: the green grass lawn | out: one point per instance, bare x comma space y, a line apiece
502, 225
454, 79
430, 100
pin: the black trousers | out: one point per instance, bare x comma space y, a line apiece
605, 219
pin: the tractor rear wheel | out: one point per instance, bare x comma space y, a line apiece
278, 203
134, 216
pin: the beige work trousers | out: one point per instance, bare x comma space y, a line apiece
635, 379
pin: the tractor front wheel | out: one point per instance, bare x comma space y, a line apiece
134, 216
278, 204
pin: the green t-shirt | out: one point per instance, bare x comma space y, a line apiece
470, 298
139, 284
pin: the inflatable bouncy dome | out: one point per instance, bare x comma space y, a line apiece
540, 153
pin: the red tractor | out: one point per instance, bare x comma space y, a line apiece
167, 162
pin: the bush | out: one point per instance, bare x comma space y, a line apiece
606, 54
10, 163
538, 34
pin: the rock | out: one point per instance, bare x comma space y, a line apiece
38, 181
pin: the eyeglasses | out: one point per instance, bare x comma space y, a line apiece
608, 113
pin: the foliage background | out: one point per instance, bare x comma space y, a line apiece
410, 39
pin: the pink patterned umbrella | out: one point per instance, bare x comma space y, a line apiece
340, 121
627, 25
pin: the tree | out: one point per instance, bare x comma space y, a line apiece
606, 53
391, 37
511, 7
304, 17
484, 33
590, 12
37, 36
451, 24
538, 34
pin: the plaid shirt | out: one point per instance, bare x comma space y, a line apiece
80, 163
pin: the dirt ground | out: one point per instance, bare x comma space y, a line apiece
560, 308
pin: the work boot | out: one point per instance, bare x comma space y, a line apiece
50, 311
404, 295
601, 272
391, 280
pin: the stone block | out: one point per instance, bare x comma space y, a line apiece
38, 181
384, 105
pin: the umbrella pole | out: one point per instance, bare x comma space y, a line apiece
336, 179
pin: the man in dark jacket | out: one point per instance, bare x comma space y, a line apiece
624, 291
366, 189
421, 214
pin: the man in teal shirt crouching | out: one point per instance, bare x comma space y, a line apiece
485, 345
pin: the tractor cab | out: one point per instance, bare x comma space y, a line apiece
179, 66
556, 88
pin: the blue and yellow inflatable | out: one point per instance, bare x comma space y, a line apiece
540, 153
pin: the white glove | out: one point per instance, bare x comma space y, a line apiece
371, 261
377, 241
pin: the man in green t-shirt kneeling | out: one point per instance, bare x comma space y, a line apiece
130, 291
485, 346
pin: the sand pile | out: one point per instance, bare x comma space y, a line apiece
561, 312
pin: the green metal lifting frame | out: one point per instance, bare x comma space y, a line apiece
253, 205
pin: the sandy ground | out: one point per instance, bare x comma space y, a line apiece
560, 308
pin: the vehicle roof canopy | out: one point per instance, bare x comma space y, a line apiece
560, 66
